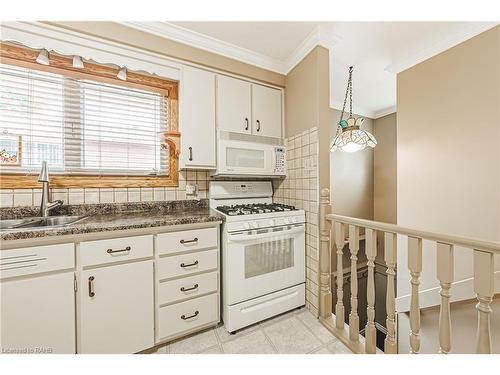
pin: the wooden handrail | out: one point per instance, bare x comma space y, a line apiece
472, 243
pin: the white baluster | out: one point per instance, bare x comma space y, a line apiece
370, 329
390, 346
325, 305
339, 243
445, 270
484, 284
415, 267
353, 316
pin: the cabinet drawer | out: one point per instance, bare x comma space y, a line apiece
37, 259
188, 287
187, 264
188, 315
115, 250
187, 240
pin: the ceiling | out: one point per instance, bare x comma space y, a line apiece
377, 50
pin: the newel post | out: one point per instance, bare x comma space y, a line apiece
325, 293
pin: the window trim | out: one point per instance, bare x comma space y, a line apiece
25, 57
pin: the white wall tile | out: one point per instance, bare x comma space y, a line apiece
6, 198
133, 195
76, 196
106, 196
91, 195
159, 194
146, 194
120, 195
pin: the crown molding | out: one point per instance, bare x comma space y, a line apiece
384, 112
209, 44
447, 43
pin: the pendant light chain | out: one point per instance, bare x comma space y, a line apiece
348, 91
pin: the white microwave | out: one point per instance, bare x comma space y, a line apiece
240, 155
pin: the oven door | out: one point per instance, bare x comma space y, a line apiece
263, 261
245, 158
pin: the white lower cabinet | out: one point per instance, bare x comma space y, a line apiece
38, 314
122, 286
116, 308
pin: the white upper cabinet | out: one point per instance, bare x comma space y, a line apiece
266, 111
248, 108
197, 119
234, 105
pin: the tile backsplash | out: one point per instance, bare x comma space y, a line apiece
301, 189
32, 197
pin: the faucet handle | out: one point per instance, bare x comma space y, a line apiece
44, 173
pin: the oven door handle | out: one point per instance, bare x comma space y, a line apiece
250, 237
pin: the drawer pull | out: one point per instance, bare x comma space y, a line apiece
195, 263
184, 317
189, 241
183, 289
91, 286
111, 251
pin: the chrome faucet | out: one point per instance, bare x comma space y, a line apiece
46, 205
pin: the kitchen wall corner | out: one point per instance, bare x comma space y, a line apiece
301, 189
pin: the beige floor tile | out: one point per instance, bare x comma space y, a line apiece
323, 350
316, 327
162, 350
213, 350
225, 336
338, 348
253, 343
290, 336
194, 344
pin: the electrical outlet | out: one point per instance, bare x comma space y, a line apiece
191, 189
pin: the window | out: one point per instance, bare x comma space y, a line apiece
87, 125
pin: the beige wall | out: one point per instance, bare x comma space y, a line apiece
351, 176
307, 103
136, 38
448, 143
385, 169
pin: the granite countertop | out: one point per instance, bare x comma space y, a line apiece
113, 217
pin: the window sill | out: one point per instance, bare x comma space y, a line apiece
12, 181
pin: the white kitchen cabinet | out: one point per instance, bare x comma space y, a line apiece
234, 105
38, 314
248, 108
116, 308
197, 119
266, 111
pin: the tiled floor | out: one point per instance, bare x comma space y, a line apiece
295, 332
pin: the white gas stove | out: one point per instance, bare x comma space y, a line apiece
263, 252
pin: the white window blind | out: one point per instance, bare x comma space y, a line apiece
82, 126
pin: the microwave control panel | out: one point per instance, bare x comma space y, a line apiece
279, 160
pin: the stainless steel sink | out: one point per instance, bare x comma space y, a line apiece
39, 222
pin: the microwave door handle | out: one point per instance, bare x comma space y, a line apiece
251, 237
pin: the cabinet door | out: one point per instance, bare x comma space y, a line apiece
266, 114
38, 314
116, 309
197, 119
233, 105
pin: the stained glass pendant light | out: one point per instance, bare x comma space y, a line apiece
350, 137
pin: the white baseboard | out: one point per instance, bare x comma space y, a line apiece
460, 290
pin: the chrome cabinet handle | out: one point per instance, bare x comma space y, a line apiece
183, 289
195, 263
246, 123
258, 125
190, 154
111, 251
189, 241
184, 317
91, 286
